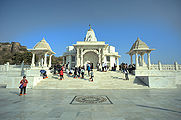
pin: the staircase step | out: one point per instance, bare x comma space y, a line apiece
102, 80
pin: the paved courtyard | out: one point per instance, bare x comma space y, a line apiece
54, 104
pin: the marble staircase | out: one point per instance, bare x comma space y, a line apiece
102, 80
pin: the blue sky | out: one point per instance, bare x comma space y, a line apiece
117, 22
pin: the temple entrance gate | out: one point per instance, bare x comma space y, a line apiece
92, 57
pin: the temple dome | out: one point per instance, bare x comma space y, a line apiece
43, 45
90, 36
139, 45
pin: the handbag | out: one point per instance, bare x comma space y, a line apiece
21, 86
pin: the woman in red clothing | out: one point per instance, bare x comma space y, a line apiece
24, 81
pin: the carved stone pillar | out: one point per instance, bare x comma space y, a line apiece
45, 60
41, 61
33, 60
50, 61
142, 59
99, 55
78, 58
117, 63
159, 65
131, 58
102, 55
136, 59
81, 57
148, 60
176, 65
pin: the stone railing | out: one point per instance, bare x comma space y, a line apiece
154, 67
168, 67
2, 68
179, 67
7, 67
159, 66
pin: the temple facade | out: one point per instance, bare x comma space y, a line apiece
91, 51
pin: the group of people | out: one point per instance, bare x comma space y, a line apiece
78, 72
127, 69
104, 67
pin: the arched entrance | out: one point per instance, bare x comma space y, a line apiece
91, 57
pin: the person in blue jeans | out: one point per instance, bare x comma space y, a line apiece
88, 69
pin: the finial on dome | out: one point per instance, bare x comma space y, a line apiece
43, 39
138, 38
90, 26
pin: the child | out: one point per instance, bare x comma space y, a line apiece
23, 85
71, 71
92, 75
61, 74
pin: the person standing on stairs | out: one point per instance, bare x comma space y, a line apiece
82, 72
61, 74
92, 75
88, 69
79, 71
126, 74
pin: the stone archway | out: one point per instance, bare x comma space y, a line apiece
91, 57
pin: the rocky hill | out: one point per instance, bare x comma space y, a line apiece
10, 51
15, 53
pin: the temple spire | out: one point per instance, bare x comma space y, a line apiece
138, 38
90, 36
90, 26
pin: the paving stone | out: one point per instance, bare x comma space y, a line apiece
54, 104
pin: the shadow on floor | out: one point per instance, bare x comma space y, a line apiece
117, 77
159, 108
14, 92
139, 82
177, 99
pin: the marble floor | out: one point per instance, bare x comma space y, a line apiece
54, 104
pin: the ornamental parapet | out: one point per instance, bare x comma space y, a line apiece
165, 67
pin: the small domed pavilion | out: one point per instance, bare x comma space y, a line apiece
41, 49
140, 48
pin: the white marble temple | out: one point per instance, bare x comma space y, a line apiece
91, 50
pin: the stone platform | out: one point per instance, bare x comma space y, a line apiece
102, 80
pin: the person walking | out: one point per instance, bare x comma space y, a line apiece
61, 74
23, 85
126, 74
88, 69
79, 71
98, 66
92, 75
82, 72
54, 69
103, 67
75, 72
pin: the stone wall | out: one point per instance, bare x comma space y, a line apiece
11, 75
159, 78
